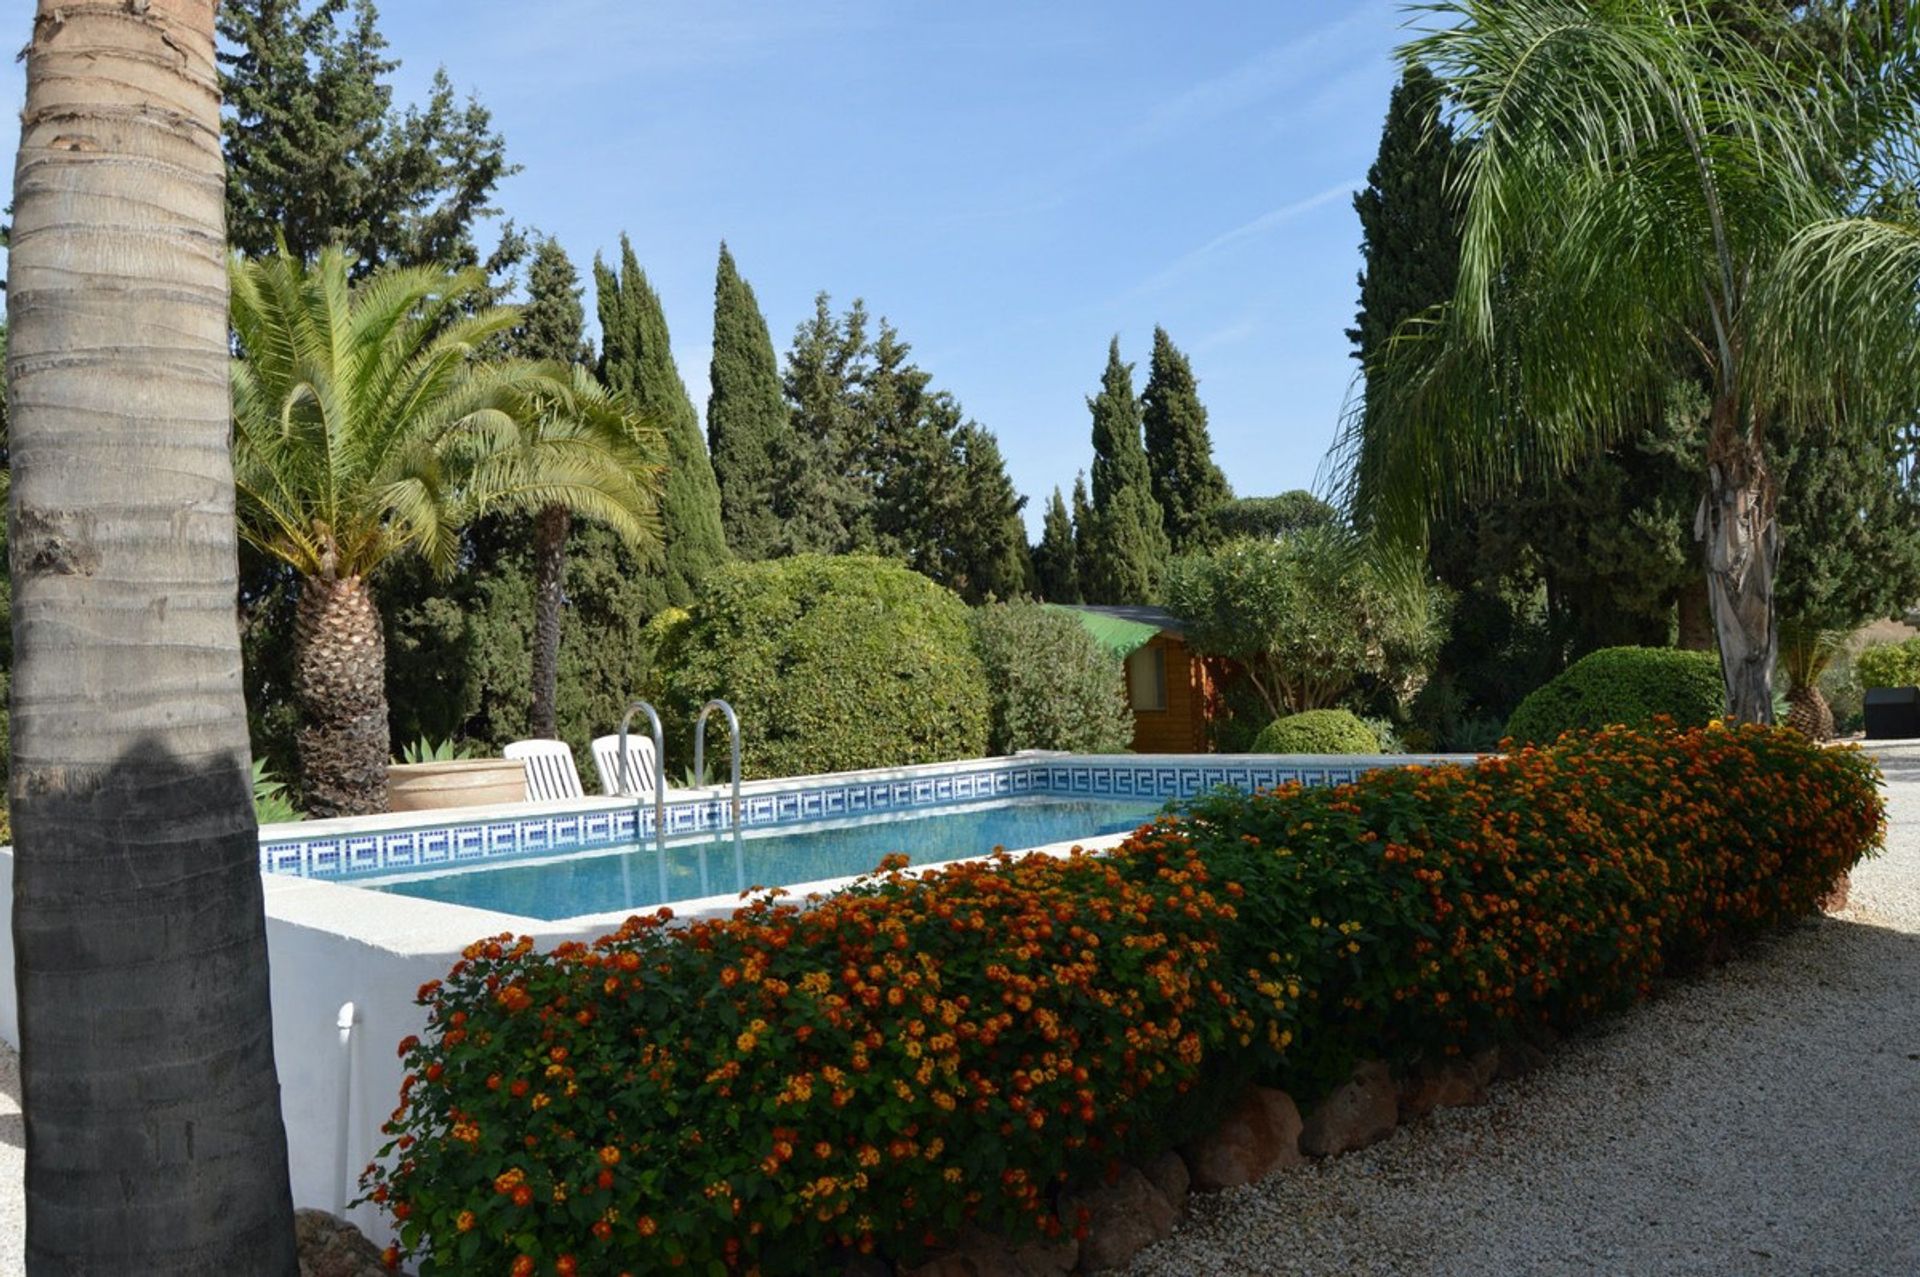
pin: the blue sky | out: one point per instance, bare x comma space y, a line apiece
1010, 183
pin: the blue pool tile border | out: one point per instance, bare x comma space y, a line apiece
289, 850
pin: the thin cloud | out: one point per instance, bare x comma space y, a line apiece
1284, 66
1250, 230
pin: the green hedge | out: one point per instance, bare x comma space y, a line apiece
1317, 731
1050, 684
833, 664
775, 1089
1623, 685
1889, 664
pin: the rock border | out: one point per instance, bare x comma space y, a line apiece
1103, 1226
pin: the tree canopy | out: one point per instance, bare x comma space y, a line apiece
1649, 185
318, 154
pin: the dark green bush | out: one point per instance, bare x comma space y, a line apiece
833, 664
1630, 685
1318, 731
1050, 685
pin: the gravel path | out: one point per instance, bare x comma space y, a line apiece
13, 1165
1763, 1119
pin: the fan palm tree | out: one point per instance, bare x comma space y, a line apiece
1711, 181
366, 426
153, 1135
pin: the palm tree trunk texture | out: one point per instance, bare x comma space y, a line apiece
153, 1136
340, 688
1741, 541
550, 529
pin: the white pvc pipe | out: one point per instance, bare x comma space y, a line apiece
343, 1192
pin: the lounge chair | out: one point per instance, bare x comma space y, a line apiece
551, 773
640, 764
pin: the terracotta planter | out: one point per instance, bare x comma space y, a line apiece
463, 782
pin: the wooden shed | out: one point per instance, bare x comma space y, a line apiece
1174, 691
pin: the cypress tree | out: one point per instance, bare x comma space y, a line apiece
551, 327
1082, 537
1186, 482
1409, 240
1056, 572
746, 416
1129, 549
637, 360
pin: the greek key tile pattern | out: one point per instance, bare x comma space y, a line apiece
320, 851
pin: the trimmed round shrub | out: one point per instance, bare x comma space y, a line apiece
1317, 731
832, 663
1889, 664
1622, 685
1050, 685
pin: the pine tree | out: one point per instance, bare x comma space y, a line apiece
747, 424
1082, 537
1186, 482
1409, 241
825, 497
317, 153
988, 536
1128, 550
552, 321
1054, 567
637, 360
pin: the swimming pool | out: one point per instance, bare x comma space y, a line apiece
635, 876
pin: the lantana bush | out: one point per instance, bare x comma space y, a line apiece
875, 1070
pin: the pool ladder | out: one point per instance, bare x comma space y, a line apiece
628, 782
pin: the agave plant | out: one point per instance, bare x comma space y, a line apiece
367, 425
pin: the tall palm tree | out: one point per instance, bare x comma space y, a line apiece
153, 1134
1711, 182
366, 426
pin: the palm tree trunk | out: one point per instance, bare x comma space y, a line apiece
340, 688
1741, 541
154, 1143
550, 529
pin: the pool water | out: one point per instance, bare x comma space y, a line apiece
607, 880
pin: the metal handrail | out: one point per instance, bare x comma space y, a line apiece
626, 780
700, 749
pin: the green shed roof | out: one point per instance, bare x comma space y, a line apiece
1118, 634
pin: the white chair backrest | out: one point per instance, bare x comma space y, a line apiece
550, 770
606, 751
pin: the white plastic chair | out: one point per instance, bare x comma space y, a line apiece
640, 764
550, 769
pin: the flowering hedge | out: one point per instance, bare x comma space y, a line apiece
1430, 911
755, 1093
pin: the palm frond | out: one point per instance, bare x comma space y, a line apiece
366, 422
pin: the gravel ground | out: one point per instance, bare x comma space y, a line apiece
1763, 1119
13, 1165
